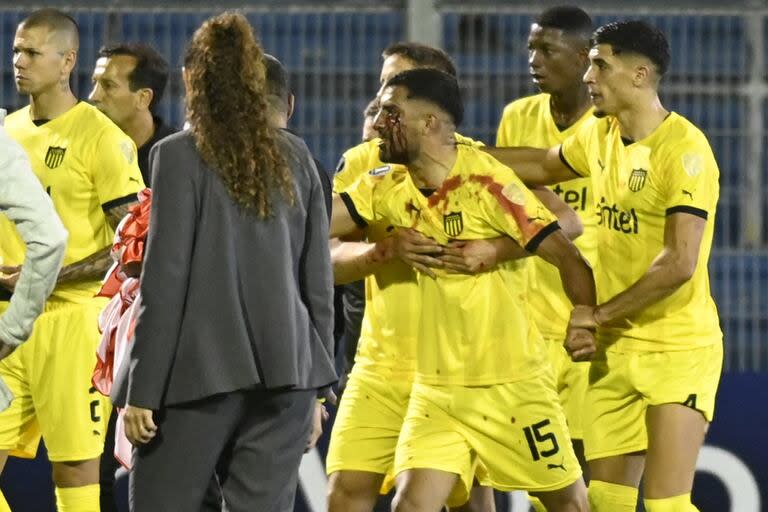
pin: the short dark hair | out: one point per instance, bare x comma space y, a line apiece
55, 21
422, 55
434, 86
151, 71
638, 37
276, 82
572, 20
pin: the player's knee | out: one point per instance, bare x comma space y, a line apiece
406, 502
571, 499
347, 493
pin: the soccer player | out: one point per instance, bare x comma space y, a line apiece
25, 203
482, 392
88, 167
558, 44
652, 384
368, 422
128, 83
370, 415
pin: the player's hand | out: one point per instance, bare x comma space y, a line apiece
417, 250
9, 276
140, 428
6, 349
580, 344
319, 416
469, 256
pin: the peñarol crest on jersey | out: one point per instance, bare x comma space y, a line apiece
453, 224
637, 179
54, 157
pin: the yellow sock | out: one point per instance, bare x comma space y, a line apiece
607, 497
537, 505
4, 507
680, 503
78, 499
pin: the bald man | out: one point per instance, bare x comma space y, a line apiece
88, 167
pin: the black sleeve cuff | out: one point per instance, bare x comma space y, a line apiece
688, 209
353, 211
120, 201
568, 165
534, 242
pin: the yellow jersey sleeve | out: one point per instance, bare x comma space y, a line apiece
505, 134
512, 208
116, 174
355, 162
466, 141
574, 151
361, 201
691, 184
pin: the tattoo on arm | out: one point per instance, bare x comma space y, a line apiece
96, 265
116, 214
88, 269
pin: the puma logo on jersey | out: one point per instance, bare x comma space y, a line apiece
601, 164
688, 194
555, 466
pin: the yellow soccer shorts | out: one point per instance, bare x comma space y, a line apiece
571, 380
368, 424
513, 436
623, 384
50, 377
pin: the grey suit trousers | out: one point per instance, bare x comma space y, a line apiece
252, 440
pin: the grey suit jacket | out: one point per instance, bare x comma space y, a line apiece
229, 301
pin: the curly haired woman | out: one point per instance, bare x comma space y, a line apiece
234, 336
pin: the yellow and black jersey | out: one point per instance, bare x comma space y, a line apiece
637, 185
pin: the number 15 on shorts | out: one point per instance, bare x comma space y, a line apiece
541, 443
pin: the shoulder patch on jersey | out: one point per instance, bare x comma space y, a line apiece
514, 193
127, 150
380, 171
693, 164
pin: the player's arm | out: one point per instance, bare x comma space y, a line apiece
474, 256
117, 180
96, 265
672, 267
26, 204
535, 166
578, 283
353, 261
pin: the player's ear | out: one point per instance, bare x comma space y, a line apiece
641, 75
430, 122
145, 97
